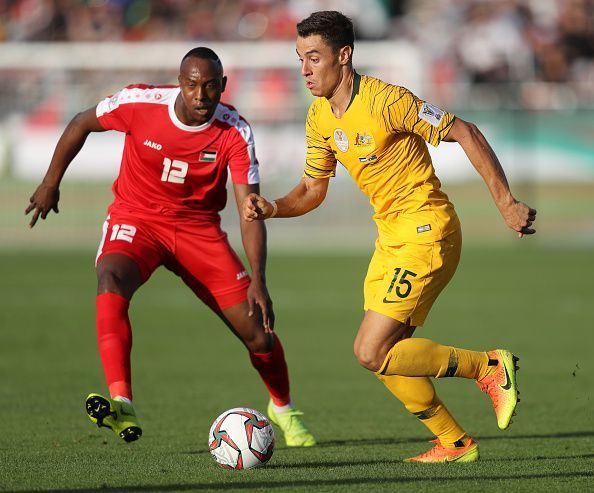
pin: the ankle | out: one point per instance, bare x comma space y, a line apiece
463, 442
489, 369
279, 409
460, 443
121, 398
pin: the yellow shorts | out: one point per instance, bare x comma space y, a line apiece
403, 281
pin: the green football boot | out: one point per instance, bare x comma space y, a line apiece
292, 426
501, 386
118, 416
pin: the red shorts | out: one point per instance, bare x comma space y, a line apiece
197, 251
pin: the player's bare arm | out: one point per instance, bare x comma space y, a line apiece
517, 215
253, 236
305, 197
46, 196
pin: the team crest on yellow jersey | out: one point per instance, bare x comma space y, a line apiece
363, 139
341, 139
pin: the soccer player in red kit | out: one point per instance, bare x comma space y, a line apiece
181, 142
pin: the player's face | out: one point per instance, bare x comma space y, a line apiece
201, 82
321, 65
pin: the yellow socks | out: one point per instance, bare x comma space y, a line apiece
416, 357
419, 397
405, 372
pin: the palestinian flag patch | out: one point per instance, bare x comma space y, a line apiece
207, 156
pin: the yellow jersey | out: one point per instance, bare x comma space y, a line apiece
381, 141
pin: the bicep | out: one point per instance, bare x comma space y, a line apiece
87, 121
315, 188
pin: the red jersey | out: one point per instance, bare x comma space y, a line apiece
171, 168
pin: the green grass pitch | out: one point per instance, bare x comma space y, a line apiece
187, 368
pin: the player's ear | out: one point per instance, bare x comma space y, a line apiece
223, 83
179, 79
345, 54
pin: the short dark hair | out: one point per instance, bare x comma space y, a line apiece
334, 27
204, 53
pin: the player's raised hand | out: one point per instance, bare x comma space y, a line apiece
520, 218
257, 296
255, 207
43, 200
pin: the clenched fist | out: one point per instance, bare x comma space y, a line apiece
257, 208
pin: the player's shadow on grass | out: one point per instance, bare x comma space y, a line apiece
398, 441
357, 442
319, 464
539, 457
311, 484
351, 463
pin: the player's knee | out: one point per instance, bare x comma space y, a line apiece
258, 342
109, 281
118, 274
368, 358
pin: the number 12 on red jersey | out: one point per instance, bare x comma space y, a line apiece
174, 171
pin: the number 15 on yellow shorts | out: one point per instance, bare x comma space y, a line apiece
403, 281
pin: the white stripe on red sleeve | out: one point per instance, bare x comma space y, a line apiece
229, 115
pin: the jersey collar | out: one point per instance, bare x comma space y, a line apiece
179, 124
356, 85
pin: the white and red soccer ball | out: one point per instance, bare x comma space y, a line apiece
241, 438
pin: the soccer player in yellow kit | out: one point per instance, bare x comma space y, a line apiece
378, 132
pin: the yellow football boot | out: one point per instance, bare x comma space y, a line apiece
118, 416
291, 424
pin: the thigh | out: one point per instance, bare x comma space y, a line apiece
403, 281
205, 261
118, 274
132, 237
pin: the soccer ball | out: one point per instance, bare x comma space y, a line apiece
241, 438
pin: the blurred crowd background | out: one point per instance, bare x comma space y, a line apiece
480, 40
544, 46
523, 70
